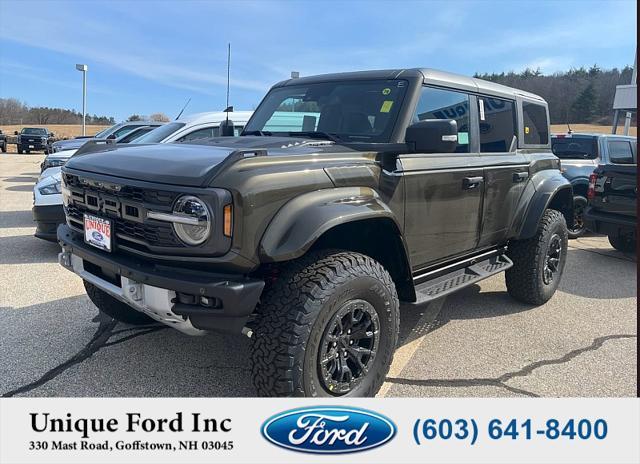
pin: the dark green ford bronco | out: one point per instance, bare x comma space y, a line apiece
345, 195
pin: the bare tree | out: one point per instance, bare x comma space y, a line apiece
160, 117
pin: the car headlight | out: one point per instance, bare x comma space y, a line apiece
196, 227
52, 163
51, 189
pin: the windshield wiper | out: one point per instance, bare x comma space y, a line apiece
257, 132
318, 135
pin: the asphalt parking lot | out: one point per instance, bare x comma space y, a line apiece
477, 342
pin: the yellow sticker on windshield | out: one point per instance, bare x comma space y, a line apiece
386, 106
386, 91
526, 129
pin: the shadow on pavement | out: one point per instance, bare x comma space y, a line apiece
20, 188
21, 179
15, 219
23, 249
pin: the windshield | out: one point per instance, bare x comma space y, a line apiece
349, 111
574, 147
33, 131
103, 133
159, 134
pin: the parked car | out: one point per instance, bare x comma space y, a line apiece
33, 139
384, 190
3, 142
613, 193
196, 126
579, 155
113, 132
58, 159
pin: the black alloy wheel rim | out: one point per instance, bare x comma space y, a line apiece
578, 220
348, 347
552, 259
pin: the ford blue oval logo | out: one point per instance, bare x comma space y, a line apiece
96, 235
328, 429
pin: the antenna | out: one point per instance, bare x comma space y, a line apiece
228, 75
183, 108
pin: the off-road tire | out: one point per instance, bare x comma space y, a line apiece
579, 204
525, 281
115, 309
20, 151
4, 148
296, 309
623, 243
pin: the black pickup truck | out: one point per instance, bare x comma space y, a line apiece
3, 142
344, 195
613, 194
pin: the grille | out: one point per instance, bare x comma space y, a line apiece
133, 228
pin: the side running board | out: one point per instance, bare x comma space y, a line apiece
459, 278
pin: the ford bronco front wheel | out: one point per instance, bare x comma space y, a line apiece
328, 326
538, 262
115, 309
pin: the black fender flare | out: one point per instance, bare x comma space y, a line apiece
579, 182
545, 189
303, 220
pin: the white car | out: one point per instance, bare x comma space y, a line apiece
47, 199
47, 205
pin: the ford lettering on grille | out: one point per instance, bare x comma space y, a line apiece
328, 430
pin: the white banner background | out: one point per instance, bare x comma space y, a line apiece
622, 444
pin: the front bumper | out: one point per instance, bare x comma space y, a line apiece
48, 218
609, 224
166, 293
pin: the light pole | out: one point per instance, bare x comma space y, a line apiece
83, 68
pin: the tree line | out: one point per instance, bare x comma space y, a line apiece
13, 111
580, 95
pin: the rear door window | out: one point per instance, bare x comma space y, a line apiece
620, 152
205, 133
497, 124
536, 125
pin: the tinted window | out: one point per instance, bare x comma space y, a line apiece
497, 124
160, 133
354, 111
124, 130
620, 152
536, 126
575, 147
446, 104
205, 133
34, 131
133, 135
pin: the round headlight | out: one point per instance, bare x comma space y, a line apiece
195, 211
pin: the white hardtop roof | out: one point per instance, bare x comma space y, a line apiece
216, 116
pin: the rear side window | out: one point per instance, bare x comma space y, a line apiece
446, 104
536, 126
205, 133
497, 124
620, 152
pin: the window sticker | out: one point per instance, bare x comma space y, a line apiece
463, 138
526, 129
386, 91
386, 106
481, 103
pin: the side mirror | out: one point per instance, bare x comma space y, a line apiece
111, 137
226, 128
15, 132
433, 136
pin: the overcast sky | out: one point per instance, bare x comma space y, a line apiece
146, 57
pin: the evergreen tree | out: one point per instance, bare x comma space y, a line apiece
584, 107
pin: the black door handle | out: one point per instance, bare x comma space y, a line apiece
520, 176
469, 183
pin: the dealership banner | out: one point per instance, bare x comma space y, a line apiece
209, 430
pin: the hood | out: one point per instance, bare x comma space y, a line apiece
64, 154
69, 144
185, 164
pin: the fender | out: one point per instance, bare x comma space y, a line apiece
578, 182
301, 221
539, 194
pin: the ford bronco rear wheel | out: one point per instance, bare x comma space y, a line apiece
327, 327
538, 262
114, 308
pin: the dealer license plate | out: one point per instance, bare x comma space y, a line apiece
97, 232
